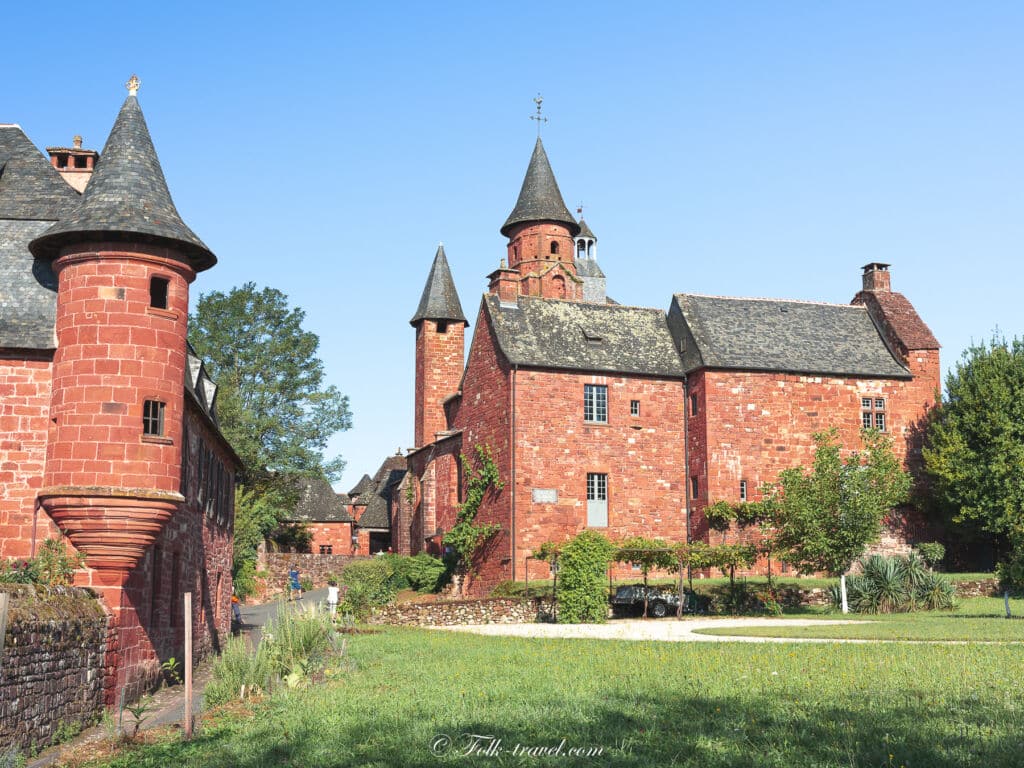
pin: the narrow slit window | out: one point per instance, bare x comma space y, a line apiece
634, 407
694, 487
743, 490
153, 418
693, 405
158, 292
554, 246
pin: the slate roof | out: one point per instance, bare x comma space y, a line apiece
127, 198
378, 506
440, 300
585, 230
588, 268
779, 335
539, 198
365, 484
548, 333
318, 503
32, 197
199, 384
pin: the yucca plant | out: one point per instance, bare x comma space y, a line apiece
891, 584
935, 593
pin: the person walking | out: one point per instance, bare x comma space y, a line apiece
332, 596
294, 586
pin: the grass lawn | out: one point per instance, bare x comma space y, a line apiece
978, 618
640, 703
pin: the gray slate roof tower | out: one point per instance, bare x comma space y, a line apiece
439, 301
540, 199
127, 199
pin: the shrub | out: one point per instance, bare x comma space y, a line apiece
582, 567
368, 584
893, 584
53, 566
239, 671
932, 552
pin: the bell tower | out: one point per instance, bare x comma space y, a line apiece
440, 345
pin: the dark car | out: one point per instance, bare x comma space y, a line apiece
629, 599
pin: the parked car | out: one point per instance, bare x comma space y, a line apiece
629, 600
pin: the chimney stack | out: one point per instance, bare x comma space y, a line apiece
876, 278
74, 164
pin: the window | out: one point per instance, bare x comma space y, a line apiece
693, 405
326, 549
595, 403
694, 487
442, 326
634, 407
153, 418
158, 292
872, 413
554, 246
597, 500
743, 490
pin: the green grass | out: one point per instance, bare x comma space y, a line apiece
642, 703
974, 619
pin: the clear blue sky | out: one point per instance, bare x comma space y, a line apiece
747, 148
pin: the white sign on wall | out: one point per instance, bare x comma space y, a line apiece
545, 495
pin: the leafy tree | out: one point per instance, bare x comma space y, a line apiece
272, 406
582, 569
272, 403
649, 554
825, 516
974, 448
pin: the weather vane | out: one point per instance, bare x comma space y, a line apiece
579, 210
538, 101
133, 85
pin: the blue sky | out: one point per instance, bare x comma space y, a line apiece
746, 148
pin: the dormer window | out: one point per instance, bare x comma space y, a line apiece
158, 292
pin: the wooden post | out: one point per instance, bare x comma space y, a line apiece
5, 599
188, 665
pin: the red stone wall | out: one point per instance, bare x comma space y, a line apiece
543, 273
24, 421
555, 450
337, 535
439, 364
428, 498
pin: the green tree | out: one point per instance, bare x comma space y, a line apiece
649, 554
826, 516
272, 405
582, 570
974, 446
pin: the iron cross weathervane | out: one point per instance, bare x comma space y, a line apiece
538, 101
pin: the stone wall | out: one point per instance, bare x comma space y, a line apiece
319, 568
978, 588
494, 610
52, 663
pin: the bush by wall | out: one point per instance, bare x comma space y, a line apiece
895, 584
582, 585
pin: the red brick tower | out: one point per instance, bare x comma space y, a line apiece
540, 232
124, 260
440, 337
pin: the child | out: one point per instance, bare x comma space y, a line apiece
332, 596
294, 587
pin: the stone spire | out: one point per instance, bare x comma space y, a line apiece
127, 199
439, 301
540, 198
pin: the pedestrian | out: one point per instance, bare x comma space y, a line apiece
236, 616
294, 587
332, 596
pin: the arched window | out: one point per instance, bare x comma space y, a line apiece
581, 248
559, 282
554, 246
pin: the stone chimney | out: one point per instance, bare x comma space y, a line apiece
74, 164
876, 278
505, 283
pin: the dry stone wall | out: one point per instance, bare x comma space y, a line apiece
51, 665
318, 568
495, 610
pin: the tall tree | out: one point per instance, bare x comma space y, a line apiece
974, 447
272, 402
825, 516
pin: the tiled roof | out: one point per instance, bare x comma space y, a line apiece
547, 333
588, 268
378, 506
318, 503
539, 198
901, 316
30, 188
440, 300
779, 335
365, 484
127, 198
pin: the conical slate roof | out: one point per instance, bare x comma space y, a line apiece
439, 301
540, 198
585, 230
127, 198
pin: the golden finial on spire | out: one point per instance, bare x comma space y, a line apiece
133, 85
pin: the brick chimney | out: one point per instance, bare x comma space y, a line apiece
74, 164
504, 282
876, 278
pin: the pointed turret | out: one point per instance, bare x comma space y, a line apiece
539, 199
127, 199
439, 301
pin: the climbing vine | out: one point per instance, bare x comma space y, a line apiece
481, 480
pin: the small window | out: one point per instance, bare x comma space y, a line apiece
442, 326
693, 405
554, 246
634, 407
597, 500
326, 549
595, 403
158, 292
743, 490
872, 413
694, 487
153, 418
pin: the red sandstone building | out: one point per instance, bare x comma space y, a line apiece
108, 425
632, 420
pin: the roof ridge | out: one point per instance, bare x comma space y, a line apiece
768, 298
592, 304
